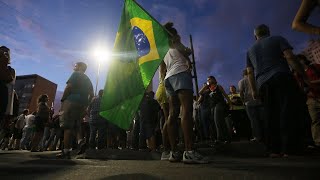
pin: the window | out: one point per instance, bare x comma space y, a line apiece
26, 95
28, 86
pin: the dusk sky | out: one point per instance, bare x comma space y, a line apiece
47, 37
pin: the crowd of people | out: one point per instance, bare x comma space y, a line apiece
277, 104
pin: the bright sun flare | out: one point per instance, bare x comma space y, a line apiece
101, 54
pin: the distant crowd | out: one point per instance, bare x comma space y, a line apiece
277, 103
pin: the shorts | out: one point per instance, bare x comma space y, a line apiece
71, 115
180, 81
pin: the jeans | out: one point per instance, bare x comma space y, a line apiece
314, 111
205, 120
54, 137
219, 114
26, 137
256, 117
101, 128
46, 135
58, 136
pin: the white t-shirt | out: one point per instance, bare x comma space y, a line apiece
20, 122
29, 121
175, 62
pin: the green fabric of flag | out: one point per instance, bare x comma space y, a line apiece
140, 46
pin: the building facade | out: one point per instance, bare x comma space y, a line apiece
30, 87
312, 51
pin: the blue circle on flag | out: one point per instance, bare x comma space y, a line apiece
141, 41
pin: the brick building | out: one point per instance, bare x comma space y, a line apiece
30, 87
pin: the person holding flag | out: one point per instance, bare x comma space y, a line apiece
140, 46
179, 88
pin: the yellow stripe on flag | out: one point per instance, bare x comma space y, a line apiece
146, 27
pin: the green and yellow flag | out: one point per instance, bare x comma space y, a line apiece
140, 46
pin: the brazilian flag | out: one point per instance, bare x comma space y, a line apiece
140, 46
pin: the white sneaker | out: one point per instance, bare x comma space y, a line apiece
165, 156
194, 157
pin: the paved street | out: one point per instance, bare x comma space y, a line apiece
27, 165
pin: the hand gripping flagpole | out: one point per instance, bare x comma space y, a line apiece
193, 59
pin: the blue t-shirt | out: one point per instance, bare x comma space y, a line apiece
267, 59
81, 87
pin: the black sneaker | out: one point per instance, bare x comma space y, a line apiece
82, 147
175, 156
63, 155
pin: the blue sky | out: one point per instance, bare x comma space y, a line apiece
47, 37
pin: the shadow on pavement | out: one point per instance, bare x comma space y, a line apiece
125, 154
131, 176
291, 168
62, 162
32, 169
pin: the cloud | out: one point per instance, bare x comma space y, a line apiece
52, 46
18, 5
8, 34
25, 14
200, 4
17, 47
166, 13
223, 32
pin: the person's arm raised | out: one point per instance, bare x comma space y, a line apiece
300, 21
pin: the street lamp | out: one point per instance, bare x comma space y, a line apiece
100, 55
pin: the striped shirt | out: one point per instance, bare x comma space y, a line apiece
94, 109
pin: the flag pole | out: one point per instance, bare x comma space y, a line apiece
193, 62
194, 67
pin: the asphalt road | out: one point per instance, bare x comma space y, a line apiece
27, 165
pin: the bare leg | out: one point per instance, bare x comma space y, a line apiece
172, 121
151, 143
186, 99
11, 143
165, 138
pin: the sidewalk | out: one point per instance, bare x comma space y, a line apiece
241, 149
142, 165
